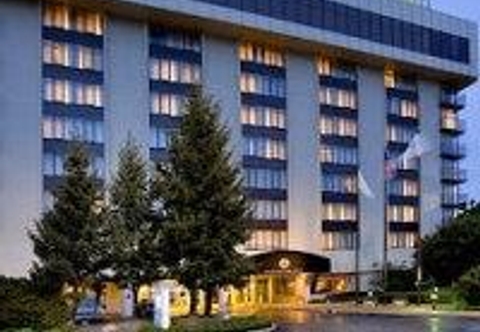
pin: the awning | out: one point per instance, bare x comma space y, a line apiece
290, 261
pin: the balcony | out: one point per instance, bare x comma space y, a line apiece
453, 126
453, 100
453, 150
452, 200
454, 175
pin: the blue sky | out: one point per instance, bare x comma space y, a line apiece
469, 9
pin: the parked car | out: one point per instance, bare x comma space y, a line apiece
88, 310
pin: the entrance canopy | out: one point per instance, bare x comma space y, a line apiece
290, 261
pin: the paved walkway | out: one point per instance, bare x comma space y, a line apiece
125, 326
391, 309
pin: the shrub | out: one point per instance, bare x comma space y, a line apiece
469, 286
22, 307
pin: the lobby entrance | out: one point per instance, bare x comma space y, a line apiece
281, 278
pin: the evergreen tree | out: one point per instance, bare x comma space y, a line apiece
205, 209
131, 226
68, 239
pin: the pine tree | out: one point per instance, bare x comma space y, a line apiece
131, 226
205, 209
68, 239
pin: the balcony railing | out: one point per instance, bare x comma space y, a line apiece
453, 149
455, 125
449, 199
454, 174
458, 101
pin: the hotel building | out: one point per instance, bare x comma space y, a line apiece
317, 94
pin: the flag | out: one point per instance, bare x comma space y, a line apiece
364, 187
391, 166
418, 146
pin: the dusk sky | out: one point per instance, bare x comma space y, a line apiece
469, 9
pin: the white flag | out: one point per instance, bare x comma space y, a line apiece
364, 187
418, 146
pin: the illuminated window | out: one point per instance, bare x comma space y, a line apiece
338, 97
402, 240
326, 67
389, 78
89, 22
262, 84
167, 104
263, 116
174, 71
330, 125
267, 240
339, 212
332, 241
402, 213
253, 53
56, 16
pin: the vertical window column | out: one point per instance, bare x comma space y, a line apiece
263, 118
338, 155
175, 66
72, 70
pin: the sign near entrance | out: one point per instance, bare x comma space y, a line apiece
284, 263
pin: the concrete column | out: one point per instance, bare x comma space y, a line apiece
371, 122
20, 132
221, 77
431, 185
127, 97
303, 146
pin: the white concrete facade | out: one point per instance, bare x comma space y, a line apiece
127, 109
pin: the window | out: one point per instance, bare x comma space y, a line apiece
403, 187
262, 84
70, 92
269, 210
159, 138
402, 213
267, 240
402, 240
339, 183
263, 178
52, 164
403, 108
60, 16
400, 134
332, 241
174, 71
326, 67
71, 55
175, 40
167, 104
263, 116
338, 155
338, 97
252, 53
56, 16
339, 212
394, 81
450, 119
72, 128
88, 22
330, 125
264, 147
